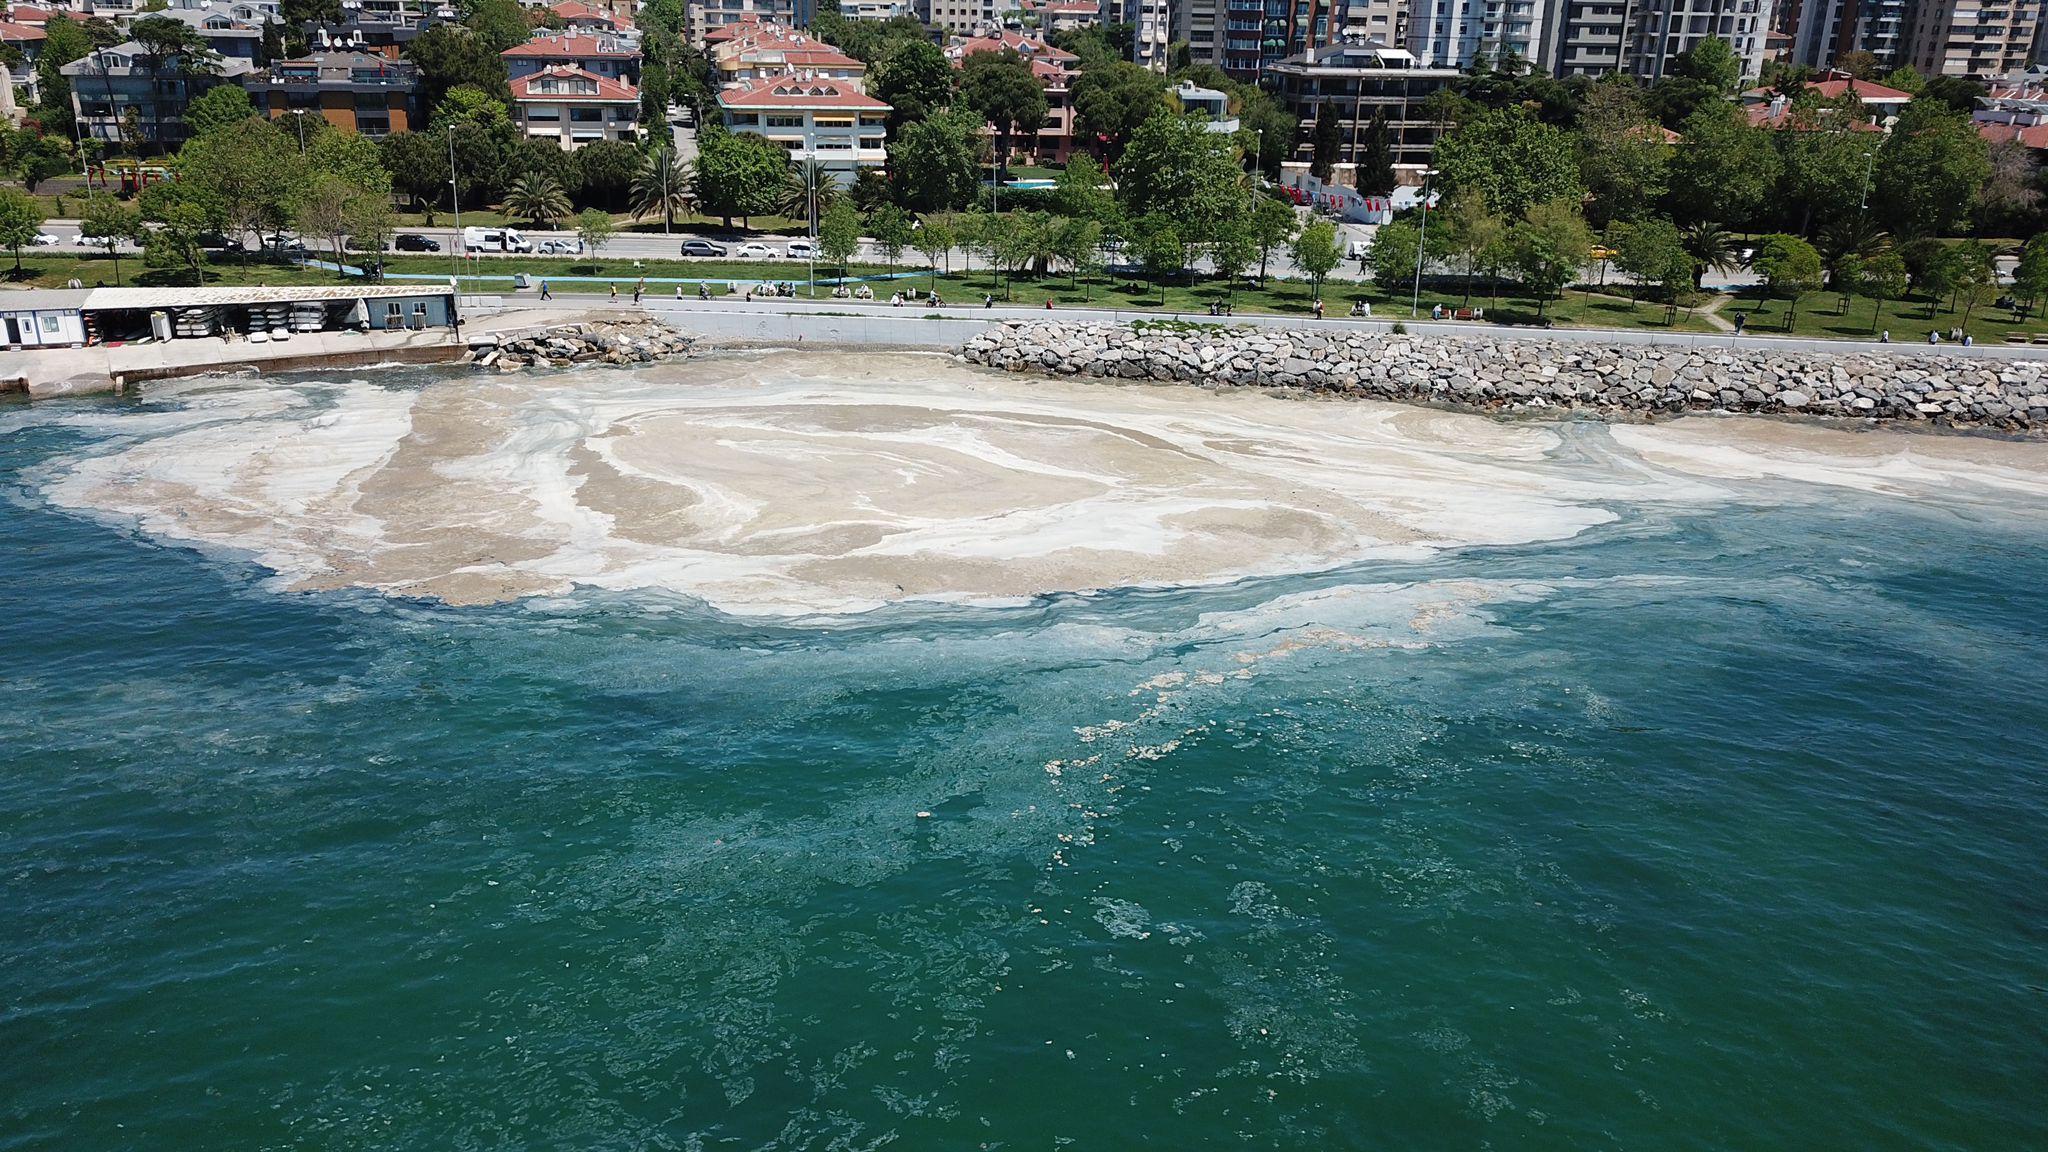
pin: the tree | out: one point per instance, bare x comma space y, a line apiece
932, 162
1929, 173
418, 166
352, 157
2030, 278
218, 107
173, 46
1076, 241
1711, 61
41, 157
450, 56
1160, 249
1392, 257
1232, 248
537, 197
839, 234
605, 171
20, 220
1652, 252
594, 230
808, 189
1826, 161
915, 80
1513, 158
1317, 252
501, 24
1327, 145
738, 174
661, 187
1882, 277
1082, 191
892, 232
321, 209
1723, 169
1375, 174
369, 221
1957, 94
2011, 195
1111, 101
250, 170
1273, 222
106, 221
1471, 231
1000, 87
1971, 274
1927, 268
1550, 246
1790, 268
1623, 160
1176, 167
178, 213
935, 242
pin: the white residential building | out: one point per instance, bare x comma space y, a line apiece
1453, 33
1826, 30
829, 121
572, 107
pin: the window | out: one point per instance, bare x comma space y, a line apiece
785, 121
586, 115
543, 113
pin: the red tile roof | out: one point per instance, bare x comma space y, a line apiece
29, 14
569, 44
741, 27
1832, 85
797, 92
12, 31
2033, 135
579, 10
609, 91
1761, 116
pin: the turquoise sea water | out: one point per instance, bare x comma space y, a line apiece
1707, 831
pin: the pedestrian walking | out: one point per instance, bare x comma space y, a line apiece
545, 292
615, 293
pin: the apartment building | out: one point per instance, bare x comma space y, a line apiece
356, 92
1660, 31
1976, 38
233, 28
758, 51
599, 54
120, 96
380, 27
707, 16
963, 17
572, 107
1358, 82
876, 9
25, 44
1452, 33
827, 121
611, 17
1823, 31
1152, 27
1064, 15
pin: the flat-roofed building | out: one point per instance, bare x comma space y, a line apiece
357, 92
1356, 83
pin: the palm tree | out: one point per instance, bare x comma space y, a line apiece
808, 189
1710, 246
538, 197
1848, 241
661, 187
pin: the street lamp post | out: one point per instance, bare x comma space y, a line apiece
1259, 162
455, 201
1421, 246
299, 118
811, 214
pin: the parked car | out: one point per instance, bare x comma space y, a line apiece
802, 250
409, 242
703, 248
755, 250
570, 247
494, 240
45, 240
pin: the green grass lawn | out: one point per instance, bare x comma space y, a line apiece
1820, 316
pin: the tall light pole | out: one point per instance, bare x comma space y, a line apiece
811, 213
299, 118
1259, 163
455, 200
1421, 246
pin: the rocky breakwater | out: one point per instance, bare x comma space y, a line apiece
622, 342
1519, 375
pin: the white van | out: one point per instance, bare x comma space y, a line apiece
494, 240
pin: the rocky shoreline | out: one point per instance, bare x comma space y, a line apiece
600, 342
1521, 375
